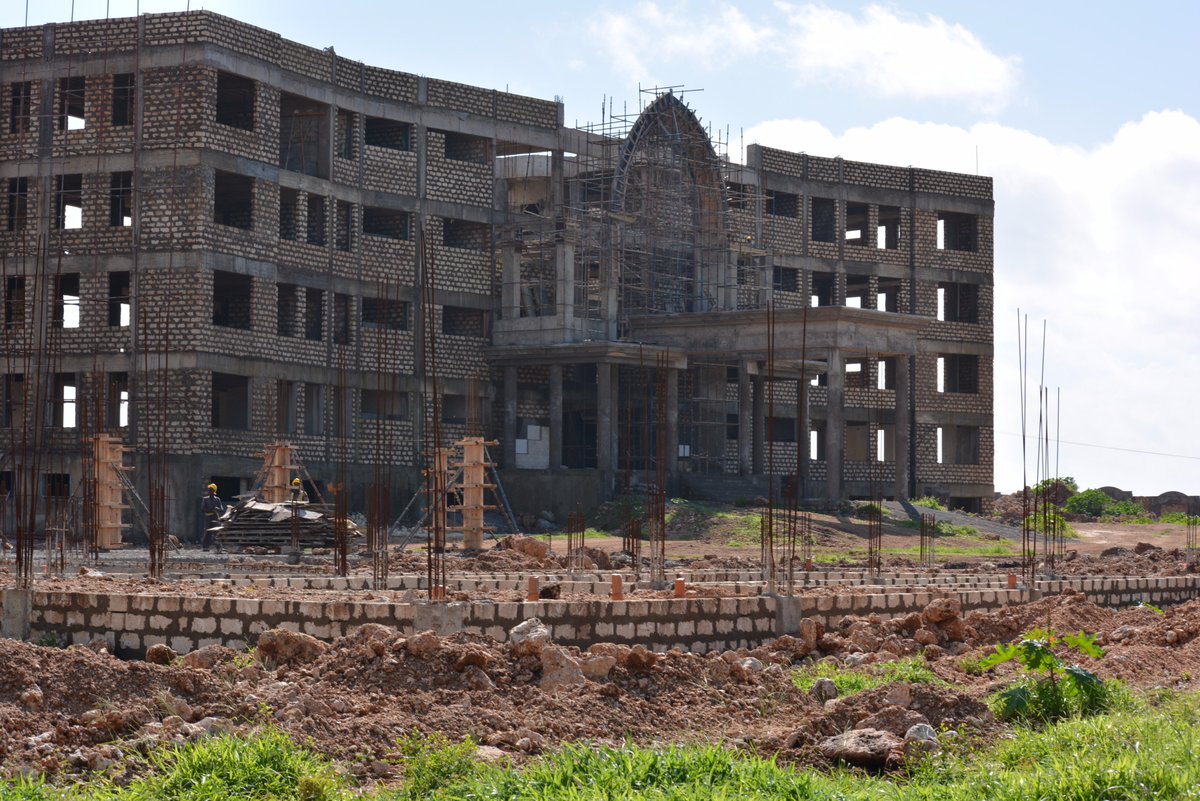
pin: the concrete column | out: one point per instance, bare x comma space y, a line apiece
745, 419
556, 416
804, 441
760, 423
604, 422
835, 425
510, 287
903, 442
510, 416
672, 421
564, 290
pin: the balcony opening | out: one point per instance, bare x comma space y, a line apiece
287, 308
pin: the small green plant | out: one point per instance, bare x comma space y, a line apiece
431, 762
929, 502
972, 665
1050, 689
1174, 518
869, 510
50, 640
1151, 607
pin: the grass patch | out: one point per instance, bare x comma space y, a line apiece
851, 681
745, 528
929, 502
1141, 751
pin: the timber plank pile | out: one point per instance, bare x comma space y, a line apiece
257, 524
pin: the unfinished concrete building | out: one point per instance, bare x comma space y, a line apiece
216, 238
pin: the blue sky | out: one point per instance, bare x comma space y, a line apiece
1084, 113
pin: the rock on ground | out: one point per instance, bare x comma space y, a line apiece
283, 647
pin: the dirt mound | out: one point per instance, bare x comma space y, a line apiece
1069, 612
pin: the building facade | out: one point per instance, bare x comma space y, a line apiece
216, 238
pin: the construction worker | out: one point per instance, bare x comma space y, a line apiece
298, 493
213, 507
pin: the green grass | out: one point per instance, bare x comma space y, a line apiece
747, 529
1141, 752
851, 681
929, 502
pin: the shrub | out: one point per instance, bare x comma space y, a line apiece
929, 502
1050, 689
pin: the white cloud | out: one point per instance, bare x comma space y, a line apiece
1098, 242
881, 54
886, 54
654, 33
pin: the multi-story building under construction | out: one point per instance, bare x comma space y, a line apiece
216, 238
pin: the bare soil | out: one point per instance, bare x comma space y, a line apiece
78, 711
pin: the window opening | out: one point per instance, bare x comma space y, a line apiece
233, 200
65, 392
342, 305
857, 215
391, 134
120, 199
118, 400
958, 303
466, 235
387, 223
123, 92
71, 94
230, 401
14, 301
18, 204
463, 322
289, 213
314, 313
343, 216
824, 219
66, 307
303, 135
782, 204
231, 299
786, 279
316, 220
118, 299
20, 106
68, 198
385, 313
463, 147
887, 235
235, 101
287, 304
824, 286
957, 231
314, 409
381, 404
346, 134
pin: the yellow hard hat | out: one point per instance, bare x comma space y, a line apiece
295, 482
212, 487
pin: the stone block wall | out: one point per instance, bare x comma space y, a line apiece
132, 623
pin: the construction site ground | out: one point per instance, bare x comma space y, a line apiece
80, 712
